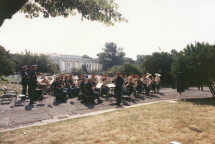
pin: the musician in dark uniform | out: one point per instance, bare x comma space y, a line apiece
90, 89
139, 86
32, 83
24, 81
118, 80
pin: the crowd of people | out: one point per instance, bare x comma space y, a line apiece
90, 88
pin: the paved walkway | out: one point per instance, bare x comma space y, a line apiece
48, 109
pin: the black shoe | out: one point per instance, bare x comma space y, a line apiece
119, 105
32, 103
99, 101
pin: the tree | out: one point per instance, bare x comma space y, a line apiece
6, 64
128, 60
84, 67
159, 63
87, 57
77, 71
125, 69
45, 64
140, 59
197, 63
111, 55
95, 10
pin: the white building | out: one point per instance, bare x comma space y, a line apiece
67, 62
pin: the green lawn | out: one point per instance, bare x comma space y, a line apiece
149, 124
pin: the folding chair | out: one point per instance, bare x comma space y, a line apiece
8, 95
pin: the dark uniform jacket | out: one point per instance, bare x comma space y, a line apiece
89, 87
67, 83
139, 84
72, 84
33, 78
24, 78
119, 82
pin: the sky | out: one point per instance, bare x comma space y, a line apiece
153, 26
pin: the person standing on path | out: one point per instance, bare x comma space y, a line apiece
118, 80
32, 83
24, 80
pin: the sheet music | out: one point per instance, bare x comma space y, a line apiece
111, 85
99, 85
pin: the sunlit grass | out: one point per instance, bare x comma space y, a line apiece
146, 124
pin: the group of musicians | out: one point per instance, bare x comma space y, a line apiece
89, 86
68, 86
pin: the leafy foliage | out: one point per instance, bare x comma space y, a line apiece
197, 63
87, 57
45, 64
140, 59
125, 69
128, 60
76, 71
159, 63
111, 55
84, 67
6, 64
96, 10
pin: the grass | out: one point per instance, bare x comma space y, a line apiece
150, 124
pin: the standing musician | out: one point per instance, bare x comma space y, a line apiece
32, 83
157, 80
24, 81
118, 80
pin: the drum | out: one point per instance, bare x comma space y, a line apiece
42, 86
38, 95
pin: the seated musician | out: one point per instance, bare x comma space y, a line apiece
145, 84
95, 82
61, 78
130, 85
72, 86
82, 83
82, 87
59, 86
67, 85
139, 85
152, 83
104, 87
90, 90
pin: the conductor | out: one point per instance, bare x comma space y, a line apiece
118, 80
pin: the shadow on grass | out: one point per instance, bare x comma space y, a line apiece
202, 101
